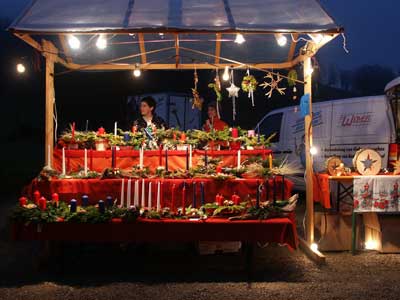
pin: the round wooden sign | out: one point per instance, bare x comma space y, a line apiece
367, 162
332, 165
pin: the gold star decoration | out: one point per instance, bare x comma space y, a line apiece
273, 84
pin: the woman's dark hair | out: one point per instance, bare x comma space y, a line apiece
150, 102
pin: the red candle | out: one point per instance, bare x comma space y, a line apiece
173, 198
183, 198
218, 169
42, 203
134, 129
219, 199
73, 131
55, 198
235, 132
161, 195
101, 131
235, 198
22, 201
160, 155
36, 197
91, 159
183, 137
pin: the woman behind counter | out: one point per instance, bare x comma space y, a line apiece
213, 122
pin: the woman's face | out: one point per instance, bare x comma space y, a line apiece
145, 109
211, 112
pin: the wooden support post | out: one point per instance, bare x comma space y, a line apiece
218, 47
309, 160
50, 56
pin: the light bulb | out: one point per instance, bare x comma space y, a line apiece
309, 71
137, 72
226, 76
281, 39
313, 150
314, 247
21, 68
371, 245
74, 42
101, 42
239, 38
317, 38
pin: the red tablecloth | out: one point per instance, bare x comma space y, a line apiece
321, 189
98, 189
279, 230
99, 160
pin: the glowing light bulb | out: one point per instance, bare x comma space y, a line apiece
239, 39
226, 76
101, 42
313, 150
309, 71
317, 38
74, 42
281, 39
137, 72
314, 247
371, 245
21, 68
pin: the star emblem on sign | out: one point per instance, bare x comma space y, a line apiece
233, 91
368, 162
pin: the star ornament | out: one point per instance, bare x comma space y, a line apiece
233, 91
368, 162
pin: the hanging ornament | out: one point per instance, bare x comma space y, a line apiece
292, 77
273, 84
249, 85
197, 101
233, 91
216, 86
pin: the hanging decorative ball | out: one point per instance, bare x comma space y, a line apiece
249, 85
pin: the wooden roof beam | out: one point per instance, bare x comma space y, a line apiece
177, 51
142, 48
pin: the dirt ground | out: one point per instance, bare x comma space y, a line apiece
87, 271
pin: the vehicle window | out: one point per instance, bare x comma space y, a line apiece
272, 124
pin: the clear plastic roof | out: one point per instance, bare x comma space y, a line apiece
66, 16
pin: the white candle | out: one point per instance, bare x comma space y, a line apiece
143, 194
63, 161
158, 196
48, 156
190, 157
85, 163
128, 193
149, 203
238, 159
115, 128
136, 196
122, 192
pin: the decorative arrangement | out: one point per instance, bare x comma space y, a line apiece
197, 101
273, 84
336, 167
249, 85
233, 91
216, 86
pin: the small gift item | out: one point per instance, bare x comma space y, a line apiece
332, 165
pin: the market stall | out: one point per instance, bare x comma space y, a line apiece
240, 182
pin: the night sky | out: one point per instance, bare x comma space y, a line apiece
372, 31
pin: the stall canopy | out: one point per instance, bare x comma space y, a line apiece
173, 34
